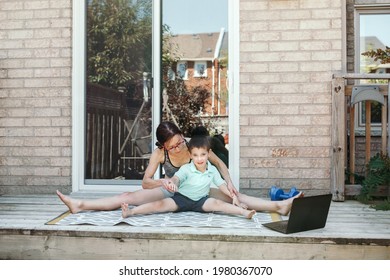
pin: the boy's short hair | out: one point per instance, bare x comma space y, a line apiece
199, 142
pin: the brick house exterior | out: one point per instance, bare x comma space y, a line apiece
288, 53
208, 49
35, 90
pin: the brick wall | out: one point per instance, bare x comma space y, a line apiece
35, 95
289, 51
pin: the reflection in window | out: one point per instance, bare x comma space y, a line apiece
198, 51
171, 74
200, 69
182, 70
372, 36
118, 99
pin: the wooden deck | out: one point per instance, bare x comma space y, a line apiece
353, 231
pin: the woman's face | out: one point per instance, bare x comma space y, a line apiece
175, 144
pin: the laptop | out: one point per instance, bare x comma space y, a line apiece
307, 213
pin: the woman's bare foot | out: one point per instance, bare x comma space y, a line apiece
125, 210
74, 205
249, 214
285, 205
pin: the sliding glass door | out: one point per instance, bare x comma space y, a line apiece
136, 63
118, 125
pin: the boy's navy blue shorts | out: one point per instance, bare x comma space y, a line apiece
186, 204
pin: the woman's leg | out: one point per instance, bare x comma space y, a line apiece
217, 194
212, 205
160, 206
112, 202
282, 207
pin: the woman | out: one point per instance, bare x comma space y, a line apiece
172, 152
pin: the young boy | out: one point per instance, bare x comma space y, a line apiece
191, 185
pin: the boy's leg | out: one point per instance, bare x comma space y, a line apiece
212, 205
160, 206
282, 207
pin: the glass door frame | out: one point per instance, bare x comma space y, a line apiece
79, 89
234, 93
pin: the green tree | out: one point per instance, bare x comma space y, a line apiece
119, 51
181, 105
382, 55
119, 41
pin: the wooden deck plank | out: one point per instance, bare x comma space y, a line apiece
353, 231
65, 248
343, 212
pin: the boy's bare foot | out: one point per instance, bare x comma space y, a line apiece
285, 205
72, 204
125, 210
250, 214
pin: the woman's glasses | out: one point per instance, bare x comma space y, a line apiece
178, 144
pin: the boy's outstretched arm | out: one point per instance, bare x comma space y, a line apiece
172, 184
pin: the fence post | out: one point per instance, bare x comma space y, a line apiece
338, 139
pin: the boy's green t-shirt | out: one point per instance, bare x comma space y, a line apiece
195, 184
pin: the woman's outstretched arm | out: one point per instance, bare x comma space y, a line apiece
155, 160
224, 171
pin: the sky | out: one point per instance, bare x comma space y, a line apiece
195, 16
203, 16
376, 25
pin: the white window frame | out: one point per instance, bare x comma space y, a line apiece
365, 10
198, 64
79, 87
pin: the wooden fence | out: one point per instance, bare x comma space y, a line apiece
105, 130
346, 94
117, 138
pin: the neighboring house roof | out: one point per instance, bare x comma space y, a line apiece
197, 47
371, 42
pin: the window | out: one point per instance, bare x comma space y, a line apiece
200, 69
182, 71
171, 74
371, 35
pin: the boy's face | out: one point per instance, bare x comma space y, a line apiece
200, 156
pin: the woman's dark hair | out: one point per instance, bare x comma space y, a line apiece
164, 132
